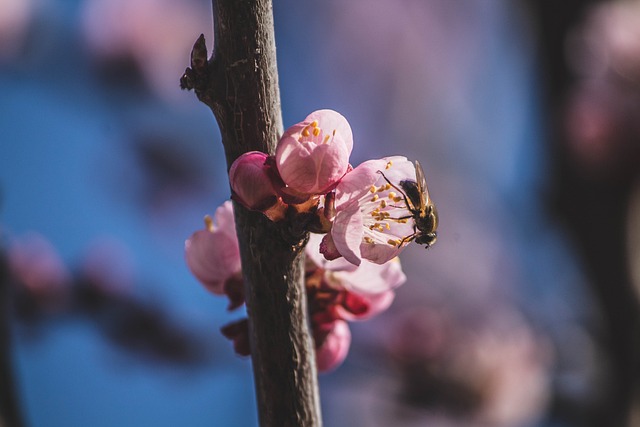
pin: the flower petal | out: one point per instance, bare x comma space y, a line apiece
334, 347
363, 307
347, 232
371, 278
331, 120
213, 255
314, 252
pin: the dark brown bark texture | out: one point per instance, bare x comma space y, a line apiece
240, 85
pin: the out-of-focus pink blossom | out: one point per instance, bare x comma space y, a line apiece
497, 370
602, 112
612, 35
212, 254
372, 219
313, 155
122, 29
252, 181
332, 344
34, 262
15, 17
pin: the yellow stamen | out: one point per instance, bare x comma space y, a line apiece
373, 188
368, 239
389, 164
397, 199
375, 198
305, 131
383, 204
387, 226
314, 124
316, 131
387, 186
392, 195
208, 223
393, 242
326, 139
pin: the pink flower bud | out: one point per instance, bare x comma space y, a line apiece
252, 181
313, 155
332, 344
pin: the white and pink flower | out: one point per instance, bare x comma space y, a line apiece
337, 290
372, 218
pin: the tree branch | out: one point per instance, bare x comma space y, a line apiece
240, 85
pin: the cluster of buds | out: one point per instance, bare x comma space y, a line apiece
360, 219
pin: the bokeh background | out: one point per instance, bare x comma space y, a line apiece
524, 114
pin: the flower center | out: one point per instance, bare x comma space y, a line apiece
313, 133
385, 215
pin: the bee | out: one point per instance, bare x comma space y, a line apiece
420, 206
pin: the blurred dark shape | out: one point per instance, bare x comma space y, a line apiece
148, 36
485, 367
238, 332
43, 291
9, 403
594, 161
122, 72
141, 328
170, 173
234, 290
603, 112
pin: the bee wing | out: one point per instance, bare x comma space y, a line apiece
422, 185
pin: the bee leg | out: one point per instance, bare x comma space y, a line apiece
401, 191
408, 239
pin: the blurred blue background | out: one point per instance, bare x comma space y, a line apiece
105, 158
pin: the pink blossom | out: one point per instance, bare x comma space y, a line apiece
15, 19
332, 344
36, 264
337, 290
212, 254
372, 219
313, 155
254, 184
369, 279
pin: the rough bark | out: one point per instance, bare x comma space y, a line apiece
240, 85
